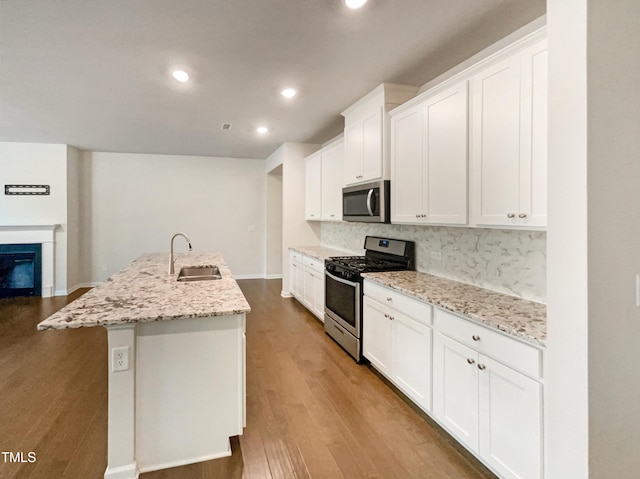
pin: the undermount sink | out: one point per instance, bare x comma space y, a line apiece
199, 273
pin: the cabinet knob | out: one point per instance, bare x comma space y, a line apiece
470, 361
481, 367
475, 337
386, 315
391, 318
389, 298
511, 215
332, 215
522, 215
423, 216
417, 215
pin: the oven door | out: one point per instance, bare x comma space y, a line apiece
342, 302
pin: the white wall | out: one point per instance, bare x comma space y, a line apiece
274, 223
613, 172
566, 358
135, 203
593, 382
37, 164
74, 259
296, 231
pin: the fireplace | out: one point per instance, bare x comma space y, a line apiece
20, 270
42, 263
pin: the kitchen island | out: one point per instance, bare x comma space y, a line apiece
176, 361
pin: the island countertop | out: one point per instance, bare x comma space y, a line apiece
517, 317
144, 291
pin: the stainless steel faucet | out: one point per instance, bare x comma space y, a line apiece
171, 258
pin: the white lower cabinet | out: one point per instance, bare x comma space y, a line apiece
490, 407
295, 274
306, 282
397, 344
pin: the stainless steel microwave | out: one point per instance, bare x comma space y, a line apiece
367, 203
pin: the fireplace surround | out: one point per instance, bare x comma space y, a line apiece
35, 234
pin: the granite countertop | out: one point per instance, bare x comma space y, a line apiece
144, 291
518, 317
320, 252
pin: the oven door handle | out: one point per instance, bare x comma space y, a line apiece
369, 195
340, 280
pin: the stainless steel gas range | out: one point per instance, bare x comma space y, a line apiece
343, 287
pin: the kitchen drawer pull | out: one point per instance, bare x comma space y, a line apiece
475, 337
389, 298
386, 315
470, 361
391, 318
511, 215
522, 215
481, 367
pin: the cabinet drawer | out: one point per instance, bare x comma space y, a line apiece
413, 308
313, 263
499, 346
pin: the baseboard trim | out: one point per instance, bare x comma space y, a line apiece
286, 294
67, 292
273, 276
128, 471
184, 462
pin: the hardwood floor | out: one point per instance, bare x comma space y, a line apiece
312, 412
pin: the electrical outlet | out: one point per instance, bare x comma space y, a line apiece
120, 359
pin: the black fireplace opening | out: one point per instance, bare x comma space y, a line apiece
20, 270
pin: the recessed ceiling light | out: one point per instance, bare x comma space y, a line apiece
354, 4
288, 93
262, 130
180, 75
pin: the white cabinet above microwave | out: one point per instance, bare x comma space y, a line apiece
366, 133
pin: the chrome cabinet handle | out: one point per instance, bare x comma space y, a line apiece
511, 215
389, 298
481, 367
470, 361
475, 337
522, 215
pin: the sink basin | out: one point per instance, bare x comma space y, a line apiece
199, 273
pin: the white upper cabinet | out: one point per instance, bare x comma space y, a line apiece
429, 158
366, 133
509, 140
332, 176
313, 191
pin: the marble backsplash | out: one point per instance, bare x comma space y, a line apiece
508, 261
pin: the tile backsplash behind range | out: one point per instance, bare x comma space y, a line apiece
508, 261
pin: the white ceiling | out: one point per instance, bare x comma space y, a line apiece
95, 74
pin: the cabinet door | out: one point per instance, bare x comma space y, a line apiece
407, 166
510, 421
533, 157
332, 181
313, 192
496, 145
412, 359
300, 282
318, 286
445, 154
309, 295
293, 277
353, 153
376, 335
372, 146
455, 389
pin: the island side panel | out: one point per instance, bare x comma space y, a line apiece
121, 457
189, 389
